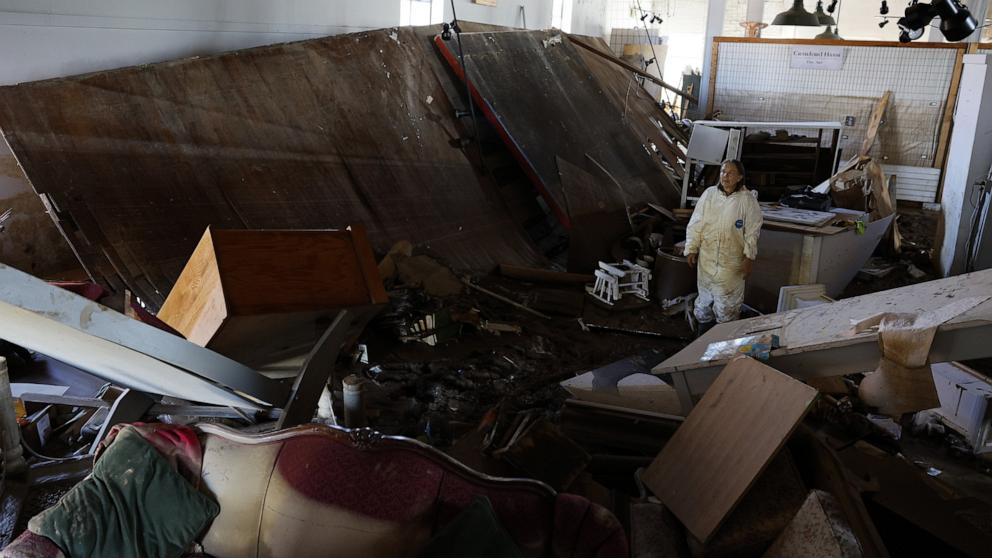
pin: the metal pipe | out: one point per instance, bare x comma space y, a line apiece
354, 401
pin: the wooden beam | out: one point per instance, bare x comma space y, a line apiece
714, 65
627, 66
716, 455
947, 120
874, 121
844, 43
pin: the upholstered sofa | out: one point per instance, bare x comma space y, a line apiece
329, 492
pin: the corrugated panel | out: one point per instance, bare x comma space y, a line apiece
315, 134
914, 183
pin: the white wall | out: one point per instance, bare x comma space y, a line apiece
589, 18
51, 38
968, 160
683, 30
505, 12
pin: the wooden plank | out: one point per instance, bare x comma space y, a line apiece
818, 529
630, 68
828, 326
825, 471
947, 120
874, 121
844, 43
714, 65
726, 442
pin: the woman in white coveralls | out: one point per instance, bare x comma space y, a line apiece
722, 243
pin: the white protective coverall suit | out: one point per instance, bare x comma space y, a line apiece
723, 230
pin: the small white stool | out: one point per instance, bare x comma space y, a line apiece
613, 280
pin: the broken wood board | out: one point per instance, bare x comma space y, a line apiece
762, 513
822, 467
726, 442
543, 125
301, 148
806, 217
874, 121
108, 360
818, 341
819, 529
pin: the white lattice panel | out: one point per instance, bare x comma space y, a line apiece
754, 82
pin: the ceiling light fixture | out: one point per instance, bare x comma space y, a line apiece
956, 21
797, 15
823, 17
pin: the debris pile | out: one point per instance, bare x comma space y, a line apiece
509, 297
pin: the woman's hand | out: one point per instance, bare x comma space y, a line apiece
748, 264
692, 259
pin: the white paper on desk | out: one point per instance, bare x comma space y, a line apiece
43, 389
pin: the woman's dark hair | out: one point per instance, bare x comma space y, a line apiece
740, 169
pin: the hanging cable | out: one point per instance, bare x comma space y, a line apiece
468, 88
647, 33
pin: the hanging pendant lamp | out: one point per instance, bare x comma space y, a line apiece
823, 17
796, 15
830, 34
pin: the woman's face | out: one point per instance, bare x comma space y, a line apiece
730, 177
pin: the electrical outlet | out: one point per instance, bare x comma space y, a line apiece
849, 121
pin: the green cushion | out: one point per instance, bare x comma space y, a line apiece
132, 505
475, 532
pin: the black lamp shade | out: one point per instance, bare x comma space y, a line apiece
823, 17
829, 34
956, 22
797, 15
